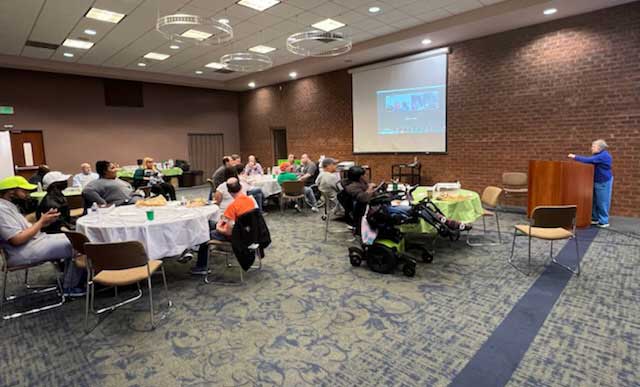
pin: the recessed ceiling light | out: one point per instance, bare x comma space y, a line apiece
198, 72
252, 84
293, 74
68, 55
550, 11
75, 43
104, 15
258, 5
156, 56
214, 65
142, 64
174, 47
262, 49
426, 41
90, 32
224, 21
375, 9
195, 34
328, 25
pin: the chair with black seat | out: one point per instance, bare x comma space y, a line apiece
249, 237
549, 223
7, 268
120, 264
292, 191
212, 189
489, 199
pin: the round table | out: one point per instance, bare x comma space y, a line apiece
267, 183
466, 211
66, 192
174, 228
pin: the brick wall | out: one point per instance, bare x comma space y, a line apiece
539, 92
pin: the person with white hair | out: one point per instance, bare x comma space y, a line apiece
85, 176
603, 181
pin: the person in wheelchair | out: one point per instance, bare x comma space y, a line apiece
355, 196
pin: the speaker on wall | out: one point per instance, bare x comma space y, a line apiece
122, 93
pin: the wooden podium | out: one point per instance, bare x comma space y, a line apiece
556, 183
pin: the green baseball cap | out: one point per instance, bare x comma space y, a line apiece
12, 182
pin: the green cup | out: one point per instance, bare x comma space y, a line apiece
150, 215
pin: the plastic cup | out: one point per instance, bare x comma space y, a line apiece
150, 215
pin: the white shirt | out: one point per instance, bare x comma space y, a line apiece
226, 196
81, 180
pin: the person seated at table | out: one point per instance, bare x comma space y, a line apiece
286, 175
36, 178
24, 242
355, 196
309, 170
55, 182
85, 176
222, 198
108, 189
253, 168
293, 167
140, 163
256, 192
328, 183
149, 176
218, 176
240, 204
235, 159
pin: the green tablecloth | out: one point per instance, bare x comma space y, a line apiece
466, 211
171, 172
40, 195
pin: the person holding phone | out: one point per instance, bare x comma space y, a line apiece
25, 243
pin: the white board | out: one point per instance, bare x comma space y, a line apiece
6, 157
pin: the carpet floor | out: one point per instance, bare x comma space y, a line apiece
310, 318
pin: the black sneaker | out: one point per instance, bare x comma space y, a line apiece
200, 271
186, 256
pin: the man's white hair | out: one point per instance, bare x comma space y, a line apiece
602, 144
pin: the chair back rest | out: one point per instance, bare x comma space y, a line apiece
490, 196
213, 188
515, 179
116, 256
554, 216
77, 240
293, 188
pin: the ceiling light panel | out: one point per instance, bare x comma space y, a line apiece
105, 15
328, 25
156, 56
195, 34
76, 43
214, 65
258, 5
262, 49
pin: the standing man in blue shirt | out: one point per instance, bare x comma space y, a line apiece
603, 181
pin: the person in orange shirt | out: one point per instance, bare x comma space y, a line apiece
241, 205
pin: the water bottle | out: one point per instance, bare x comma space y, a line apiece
39, 187
183, 201
94, 208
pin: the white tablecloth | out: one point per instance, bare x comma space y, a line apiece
268, 184
173, 229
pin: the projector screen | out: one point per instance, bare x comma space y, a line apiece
401, 105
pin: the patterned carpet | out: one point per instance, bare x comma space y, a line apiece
310, 318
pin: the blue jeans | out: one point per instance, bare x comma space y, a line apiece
258, 195
601, 201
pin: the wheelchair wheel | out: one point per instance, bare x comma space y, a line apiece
355, 257
381, 259
409, 269
427, 257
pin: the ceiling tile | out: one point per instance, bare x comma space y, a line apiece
284, 10
17, 18
434, 15
422, 6
57, 18
304, 4
461, 6
330, 10
37, 52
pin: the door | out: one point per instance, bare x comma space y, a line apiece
206, 152
279, 144
27, 147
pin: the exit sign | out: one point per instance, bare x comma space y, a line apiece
6, 109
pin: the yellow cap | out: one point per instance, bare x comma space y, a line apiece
16, 182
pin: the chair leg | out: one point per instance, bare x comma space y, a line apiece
4, 292
575, 270
166, 288
86, 307
510, 260
484, 225
551, 250
498, 227
153, 326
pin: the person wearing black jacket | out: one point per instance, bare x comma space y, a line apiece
55, 182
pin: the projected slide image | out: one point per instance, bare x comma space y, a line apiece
411, 111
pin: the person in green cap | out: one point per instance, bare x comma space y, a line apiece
24, 242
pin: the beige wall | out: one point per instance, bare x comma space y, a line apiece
78, 127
